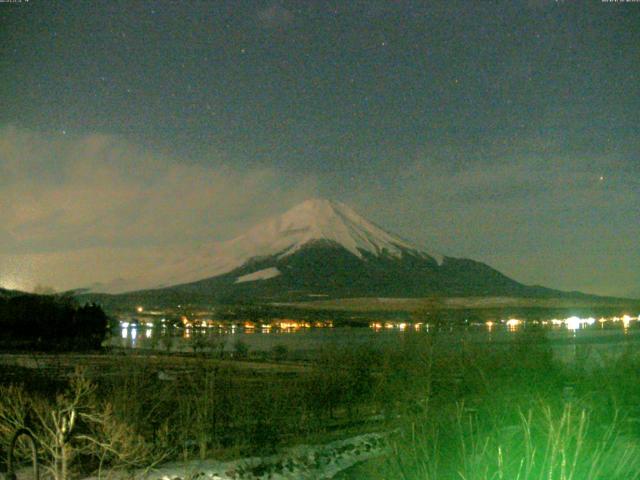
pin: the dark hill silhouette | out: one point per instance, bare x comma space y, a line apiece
49, 322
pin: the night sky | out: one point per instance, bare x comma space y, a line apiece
507, 132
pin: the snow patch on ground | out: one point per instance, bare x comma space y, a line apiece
259, 275
296, 463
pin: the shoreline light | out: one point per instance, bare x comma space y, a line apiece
513, 323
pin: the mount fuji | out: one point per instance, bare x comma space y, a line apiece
318, 249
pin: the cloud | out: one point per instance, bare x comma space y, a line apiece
542, 4
114, 207
374, 9
275, 16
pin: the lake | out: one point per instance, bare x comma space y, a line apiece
571, 339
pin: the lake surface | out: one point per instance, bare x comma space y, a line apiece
572, 339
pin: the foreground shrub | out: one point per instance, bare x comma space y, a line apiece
75, 433
546, 442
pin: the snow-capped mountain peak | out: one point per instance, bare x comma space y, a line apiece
324, 220
312, 220
318, 248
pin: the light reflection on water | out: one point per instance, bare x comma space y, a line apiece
604, 336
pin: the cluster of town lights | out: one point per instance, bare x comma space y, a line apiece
572, 323
283, 325
402, 326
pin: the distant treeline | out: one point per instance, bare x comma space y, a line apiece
50, 322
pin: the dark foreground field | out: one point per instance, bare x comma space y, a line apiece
469, 411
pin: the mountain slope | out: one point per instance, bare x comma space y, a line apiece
326, 269
281, 236
322, 249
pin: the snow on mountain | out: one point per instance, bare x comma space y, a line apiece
319, 219
264, 274
312, 220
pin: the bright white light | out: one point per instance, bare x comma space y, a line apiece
573, 323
